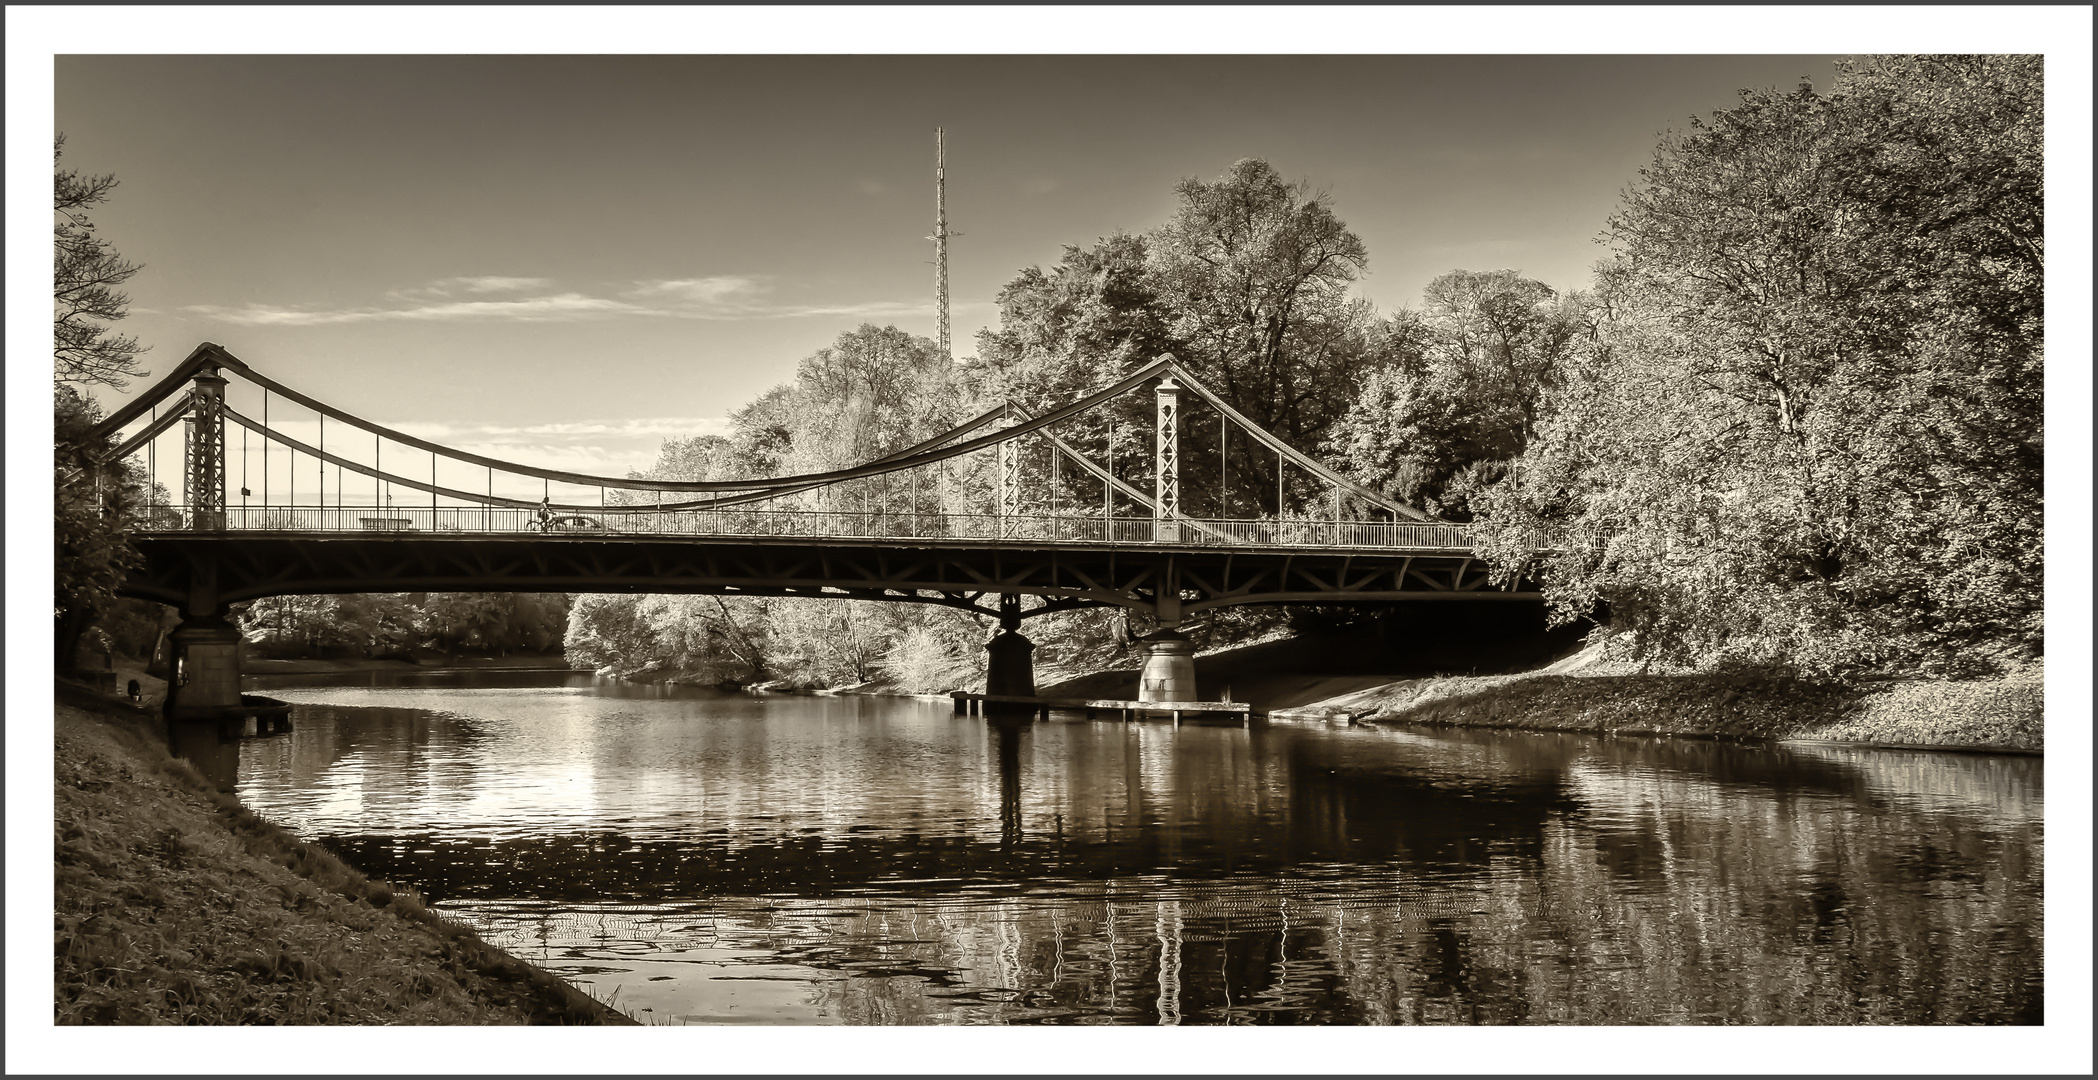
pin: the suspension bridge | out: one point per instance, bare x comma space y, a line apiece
1077, 506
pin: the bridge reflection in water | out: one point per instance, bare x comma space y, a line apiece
877, 862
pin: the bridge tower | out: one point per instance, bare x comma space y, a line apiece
204, 651
1169, 658
204, 468
1165, 495
1008, 481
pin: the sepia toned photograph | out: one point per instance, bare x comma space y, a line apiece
907, 538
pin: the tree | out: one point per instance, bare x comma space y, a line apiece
1084, 323
1255, 274
96, 501
1813, 435
94, 497
87, 271
1064, 333
1461, 391
872, 392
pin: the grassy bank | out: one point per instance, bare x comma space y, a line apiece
1994, 714
177, 905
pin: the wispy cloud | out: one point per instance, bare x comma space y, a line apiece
727, 297
444, 288
726, 291
595, 447
677, 427
501, 284
563, 307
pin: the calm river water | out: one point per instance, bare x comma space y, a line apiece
725, 859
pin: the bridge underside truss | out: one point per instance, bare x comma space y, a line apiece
202, 574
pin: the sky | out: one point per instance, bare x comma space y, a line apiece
563, 260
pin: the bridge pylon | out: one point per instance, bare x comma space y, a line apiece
204, 467
1165, 500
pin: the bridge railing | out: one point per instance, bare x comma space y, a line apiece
828, 524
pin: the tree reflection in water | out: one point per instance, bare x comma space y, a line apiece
881, 863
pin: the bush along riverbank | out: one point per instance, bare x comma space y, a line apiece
177, 905
2001, 714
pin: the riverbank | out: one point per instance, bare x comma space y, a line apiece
1542, 681
426, 663
1582, 693
177, 905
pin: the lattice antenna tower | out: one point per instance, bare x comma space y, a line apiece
939, 237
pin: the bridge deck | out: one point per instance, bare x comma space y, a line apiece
1298, 534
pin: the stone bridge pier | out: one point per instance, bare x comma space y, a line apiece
1009, 666
1168, 672
203, 708
1169, 657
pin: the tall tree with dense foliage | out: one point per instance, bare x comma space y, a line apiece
1255, 273
95, 498
873, 391
1065, 332
1085, 322
96, 502
1814, 434
1247, 285
1462, 388
87, 271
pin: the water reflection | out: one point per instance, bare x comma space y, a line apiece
851, 860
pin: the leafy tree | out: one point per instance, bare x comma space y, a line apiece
87, 271
1463, 387
1247, 285
930, 657
873, 391
1813, 435
1256, 273
1085, 322
97, 503
95, 499
606, 631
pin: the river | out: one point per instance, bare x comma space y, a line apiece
707, 858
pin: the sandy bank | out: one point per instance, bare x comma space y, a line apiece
177, 905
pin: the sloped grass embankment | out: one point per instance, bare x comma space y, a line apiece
177, 905
1992, 714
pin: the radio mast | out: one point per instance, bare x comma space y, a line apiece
939, 236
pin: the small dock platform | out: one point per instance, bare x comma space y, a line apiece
973, 705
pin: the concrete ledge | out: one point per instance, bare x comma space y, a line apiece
973, 704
